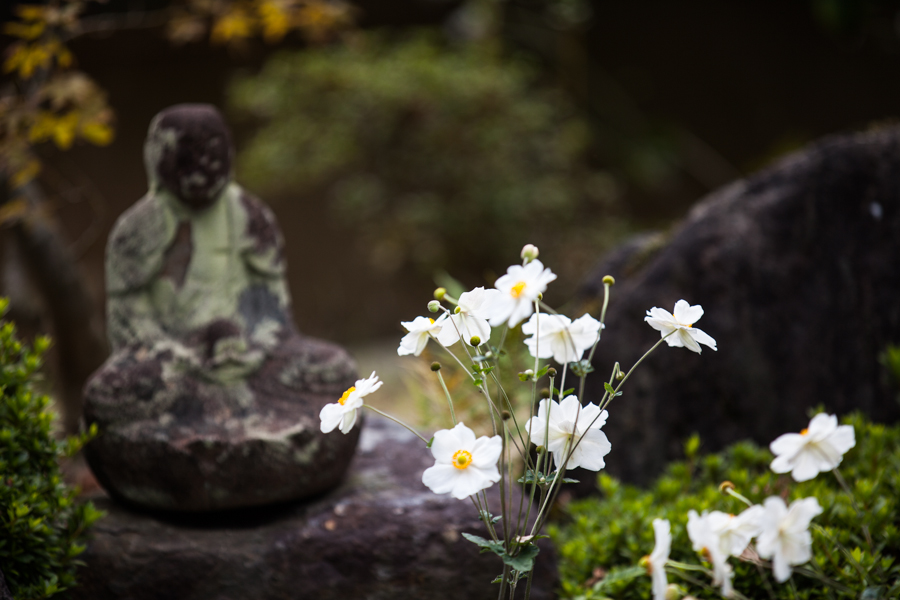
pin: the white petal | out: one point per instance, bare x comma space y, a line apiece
685, 338
348, 420
590, 452
522, 309
448, 441
687, 314
441, 478
330, 415
821, 425
701, 337
788, 444
486, 451
470, 481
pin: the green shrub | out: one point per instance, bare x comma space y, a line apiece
41, 526
609, 535
437, 155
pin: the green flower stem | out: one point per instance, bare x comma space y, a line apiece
447, 393
599, 335
396, 420
734, 494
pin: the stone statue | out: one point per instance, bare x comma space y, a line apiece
211, 397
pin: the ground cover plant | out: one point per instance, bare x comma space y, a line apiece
42, 528
605, 547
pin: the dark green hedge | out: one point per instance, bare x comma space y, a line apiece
41, 526
609, 535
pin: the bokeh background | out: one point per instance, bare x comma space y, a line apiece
401, 142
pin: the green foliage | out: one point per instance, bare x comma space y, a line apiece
439, 156
41, 526
613, 533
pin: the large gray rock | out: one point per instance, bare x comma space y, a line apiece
381, 535
798, 270
211, 397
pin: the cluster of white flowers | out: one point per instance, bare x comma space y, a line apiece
570, 431
781, 531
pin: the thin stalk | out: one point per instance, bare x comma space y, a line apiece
396, 420
734, 494
447, 393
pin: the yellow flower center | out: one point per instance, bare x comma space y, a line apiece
432, 320
517, 289
462, 459
343, 398
804, 432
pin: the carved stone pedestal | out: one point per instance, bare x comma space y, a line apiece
380, 535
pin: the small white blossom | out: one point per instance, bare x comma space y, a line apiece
559, 337
569, 422
820, 447
705, 534
663, 537
469, 321
420, 329
682, 322
785, 536
529, 252
462, 464
343, 412
518, 290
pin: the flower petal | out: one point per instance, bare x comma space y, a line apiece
687, 314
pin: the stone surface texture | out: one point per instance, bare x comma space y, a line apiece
380, 536
211, 397
798, 270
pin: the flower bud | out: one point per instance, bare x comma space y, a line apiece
457, 310
725, 487
620, 375
644, 563
435, 366
545, 392
440, 293
475, 341
674, 592
505, 415
540, 296
551, 372
434, 306
526, 375
609, 280
529, 252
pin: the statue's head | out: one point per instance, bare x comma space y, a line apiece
189, 152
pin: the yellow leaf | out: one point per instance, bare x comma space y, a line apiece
26, 58
30, 12
26, 32
64, 131
25, 174
12, 211
233, 25
100, 134
274, 21
63, 57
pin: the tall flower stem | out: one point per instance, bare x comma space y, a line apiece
859, 512
447, 393
396, 420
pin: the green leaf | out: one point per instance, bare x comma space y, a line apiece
430, 442
609, 389
524, 560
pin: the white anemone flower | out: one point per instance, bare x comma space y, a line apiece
662, 532
519, 288
818, 448
462, 465
682, 322
705, 534
420, 329
470, 321
569, 422
785, 536
559, 337
343, 412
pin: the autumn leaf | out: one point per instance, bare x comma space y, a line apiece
25, 174
23, 31
27, 58
235, 24
274, 18
96, 133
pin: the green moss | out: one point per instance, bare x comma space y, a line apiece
613, 532
42, 528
